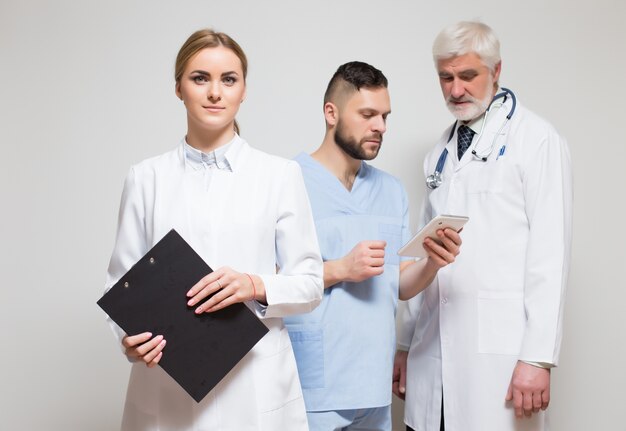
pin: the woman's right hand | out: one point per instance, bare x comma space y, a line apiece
141, 347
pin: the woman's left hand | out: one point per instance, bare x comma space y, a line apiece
227, 287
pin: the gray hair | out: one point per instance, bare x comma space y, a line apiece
465, 37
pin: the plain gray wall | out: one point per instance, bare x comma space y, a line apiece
87, 90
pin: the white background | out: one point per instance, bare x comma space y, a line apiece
87, 90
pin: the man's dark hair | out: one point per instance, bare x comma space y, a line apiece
354, 75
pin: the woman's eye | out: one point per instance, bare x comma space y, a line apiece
229, 80
200, 79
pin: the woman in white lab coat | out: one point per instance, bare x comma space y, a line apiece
246, 213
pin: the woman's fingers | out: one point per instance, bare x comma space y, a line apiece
213, 280
145, 348
231, 287
215, 299
208, 285
135, 340
156, 360
150, 358
148, 350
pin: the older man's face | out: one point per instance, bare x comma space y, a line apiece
467, 85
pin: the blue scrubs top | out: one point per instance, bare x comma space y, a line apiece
344, 348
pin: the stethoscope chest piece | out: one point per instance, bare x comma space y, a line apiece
434, 180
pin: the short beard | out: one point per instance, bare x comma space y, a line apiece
351, 147
475, 110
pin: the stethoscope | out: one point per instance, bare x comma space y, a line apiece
435, 179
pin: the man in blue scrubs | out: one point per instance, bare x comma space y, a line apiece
344, 348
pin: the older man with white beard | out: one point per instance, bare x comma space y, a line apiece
483, 337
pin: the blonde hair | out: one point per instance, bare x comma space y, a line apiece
208, 38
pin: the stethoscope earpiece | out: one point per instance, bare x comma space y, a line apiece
483, 159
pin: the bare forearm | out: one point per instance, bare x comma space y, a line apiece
415, 277
333, 273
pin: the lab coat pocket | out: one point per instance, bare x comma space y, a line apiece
276, 380
501, 321
308, 347
392, 234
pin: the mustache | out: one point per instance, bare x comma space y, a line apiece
462, 99
373, 137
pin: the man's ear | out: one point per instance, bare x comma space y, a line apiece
496, 72
331, 113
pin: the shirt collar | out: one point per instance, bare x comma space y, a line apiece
223, 157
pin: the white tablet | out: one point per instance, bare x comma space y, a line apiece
415, 246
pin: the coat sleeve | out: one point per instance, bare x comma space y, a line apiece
130, 241
298, 286
548, 201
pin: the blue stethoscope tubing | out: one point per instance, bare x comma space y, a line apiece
435, 179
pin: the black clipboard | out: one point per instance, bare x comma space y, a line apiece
151, 297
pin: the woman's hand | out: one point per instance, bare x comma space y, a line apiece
227, 287
142, 347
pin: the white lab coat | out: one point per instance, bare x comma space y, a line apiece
502, 300
251, 219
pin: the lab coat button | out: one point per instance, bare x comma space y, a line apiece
126, 284
151, 260
444, 301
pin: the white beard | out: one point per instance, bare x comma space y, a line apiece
474, 110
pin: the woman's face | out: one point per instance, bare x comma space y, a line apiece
212, 88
